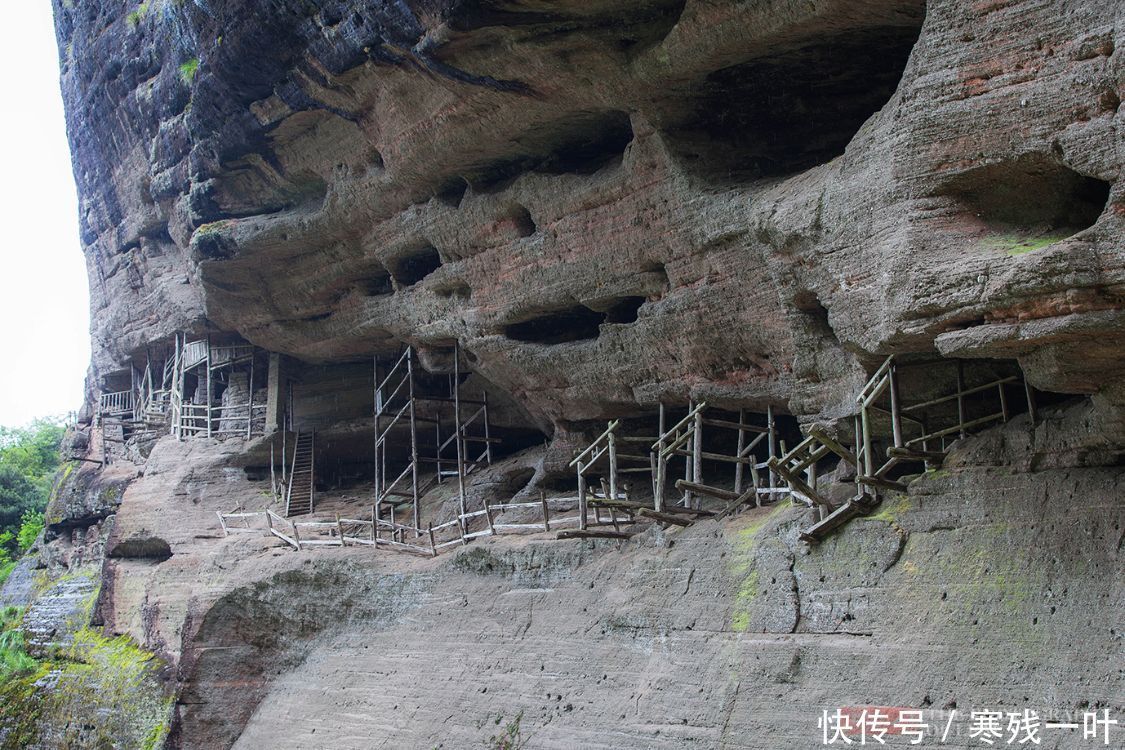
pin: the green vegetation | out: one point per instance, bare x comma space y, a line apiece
742, 565
29, 458
14, 659
509, 737
188, 69
1019, 244
108, 681
137, 15
215, 226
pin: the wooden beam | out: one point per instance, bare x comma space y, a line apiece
593, 534
668, 518
703, 489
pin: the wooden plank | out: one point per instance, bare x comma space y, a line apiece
915, 454
703, 489
735, 425
880, 482
712, 456
283, 537
664, 517
632, 505
834, 446
593, 534
743, 499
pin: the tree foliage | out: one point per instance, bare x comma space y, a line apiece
29, 458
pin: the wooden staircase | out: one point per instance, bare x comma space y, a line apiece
299, 495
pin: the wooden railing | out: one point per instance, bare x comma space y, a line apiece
116, 404
386, 532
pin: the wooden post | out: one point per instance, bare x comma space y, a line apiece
1003, 401
488, 515
379, 469
685, 499
273, 474
296, 535
771, 430
340, 530
860, 458
250, 406
756, 483
374, 527
458, 438
1029, 391
658, 478
896, 414
868, 460
581, 498
437, 443
961, 397
394, 527
696, 460
546, 513
738, 452
413, 441
430, 533
487, 430
209, 385
611, 439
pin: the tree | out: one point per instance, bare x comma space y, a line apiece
29, 458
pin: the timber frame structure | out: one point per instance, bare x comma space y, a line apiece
210, 362
457, 422
912, 433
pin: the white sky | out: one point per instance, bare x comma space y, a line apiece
44, 339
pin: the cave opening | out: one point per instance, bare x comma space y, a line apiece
583, 144
792, 110
416, 265
1034, 198
624, 310
576, 323
375, 284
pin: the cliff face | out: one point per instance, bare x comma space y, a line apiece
758, 198
607, 205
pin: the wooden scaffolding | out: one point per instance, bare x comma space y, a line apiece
918, 432
457, 422
210, 362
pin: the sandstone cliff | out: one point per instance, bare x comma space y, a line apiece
598, 207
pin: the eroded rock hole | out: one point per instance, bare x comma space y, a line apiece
417, 265
375, 285
578, 323
793, 110
624, 310
583, 143
520, 219
1034, 196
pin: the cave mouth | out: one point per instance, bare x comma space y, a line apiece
793, 110
416, 265
583, 143
577, 323
1034, 195
375, 284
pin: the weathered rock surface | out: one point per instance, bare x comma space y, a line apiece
748, 200
609, 204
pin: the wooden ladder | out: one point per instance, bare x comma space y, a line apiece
299, 495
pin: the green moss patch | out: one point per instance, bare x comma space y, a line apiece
1020, 244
